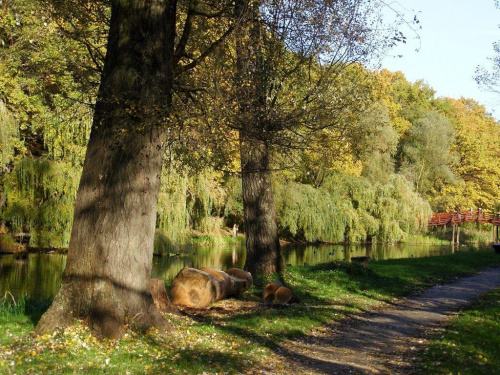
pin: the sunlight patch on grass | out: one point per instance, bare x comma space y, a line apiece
470, 344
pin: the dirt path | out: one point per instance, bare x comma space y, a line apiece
382, 343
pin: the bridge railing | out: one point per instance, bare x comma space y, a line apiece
445, 218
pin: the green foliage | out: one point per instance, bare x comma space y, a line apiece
378, 147
427, 156
9, 137
376, 125
7, 243
162, 245
45, 117
476, 144
173, 220
39, 82
40, 197
190, 202
349, 208
307, 213
233, 208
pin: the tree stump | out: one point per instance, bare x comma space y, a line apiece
160, 297
200, 287
270, 290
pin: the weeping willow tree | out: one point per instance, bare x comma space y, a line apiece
189, 202
40, 196
206, 198
9, 135
349, 208
8, 139
47, 87
307, 213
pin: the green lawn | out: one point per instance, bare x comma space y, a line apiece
470, 344
220, 340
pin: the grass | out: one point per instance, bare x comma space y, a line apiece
470, 233
427, 239
216, 240
222, 340
470, 344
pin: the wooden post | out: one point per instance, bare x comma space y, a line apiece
453, 234
458, 234
497, 239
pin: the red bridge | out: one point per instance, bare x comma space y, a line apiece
446, 218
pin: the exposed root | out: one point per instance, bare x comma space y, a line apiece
59, 315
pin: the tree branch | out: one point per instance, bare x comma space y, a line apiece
180, 50
208, 51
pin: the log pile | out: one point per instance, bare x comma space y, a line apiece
201, 287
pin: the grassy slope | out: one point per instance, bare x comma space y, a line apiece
221, 341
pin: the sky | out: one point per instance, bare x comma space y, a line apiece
456, 36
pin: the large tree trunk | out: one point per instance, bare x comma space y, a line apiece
251, 82
262, 240
108, 271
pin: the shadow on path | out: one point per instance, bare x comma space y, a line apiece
378, 343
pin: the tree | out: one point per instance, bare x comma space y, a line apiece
107, 277
476, 145
47, 87
428, 158
378, 146
489, 78
288, 56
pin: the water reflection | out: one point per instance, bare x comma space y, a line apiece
314, 254
221, 258
40, 274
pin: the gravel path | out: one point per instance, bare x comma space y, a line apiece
382, 343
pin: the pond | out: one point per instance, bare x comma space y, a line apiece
39, 275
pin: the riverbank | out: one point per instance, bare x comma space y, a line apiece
233, 336
163, 247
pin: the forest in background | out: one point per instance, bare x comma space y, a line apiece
398, 154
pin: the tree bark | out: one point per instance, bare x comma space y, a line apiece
107, 277
262, 240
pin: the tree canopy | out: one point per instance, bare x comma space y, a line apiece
202, 109
48, 84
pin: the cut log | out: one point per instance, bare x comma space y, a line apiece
224, 278
270, 290
283, 295
240, 274
160, 297
276, 293
195, 288
200, 287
